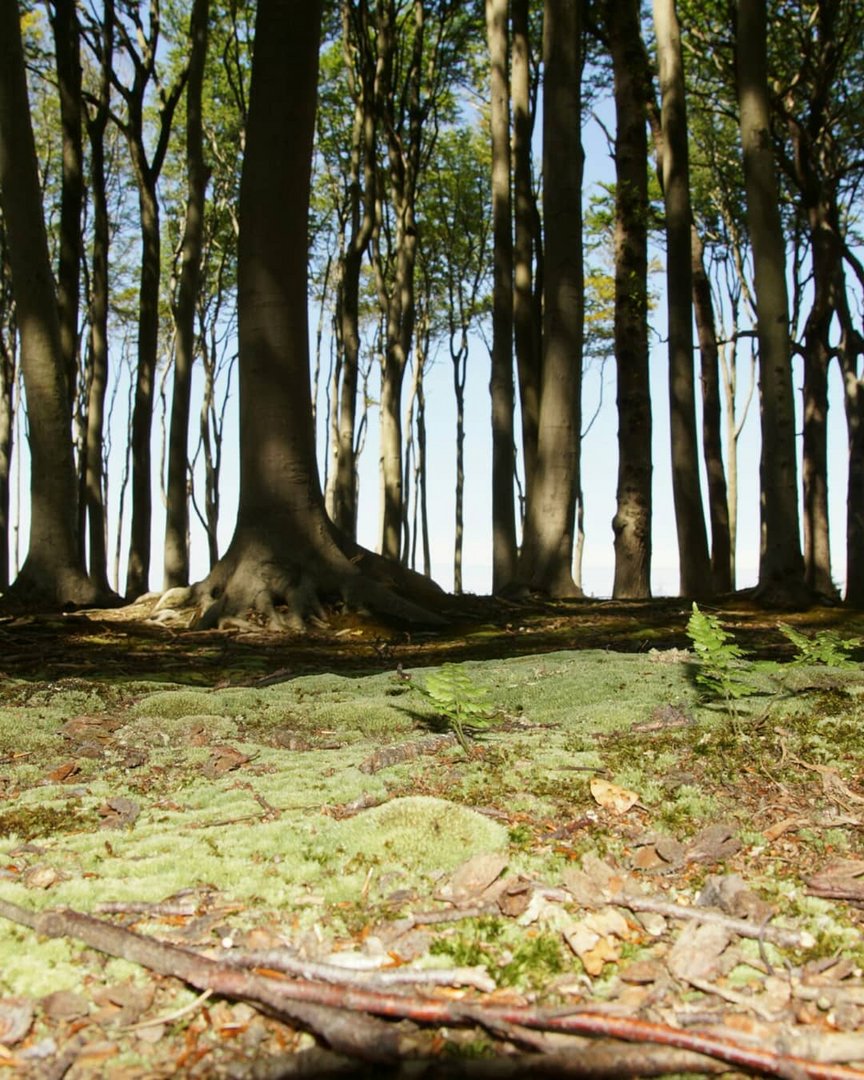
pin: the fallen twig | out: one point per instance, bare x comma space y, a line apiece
331, 1011
777, 935
281, 960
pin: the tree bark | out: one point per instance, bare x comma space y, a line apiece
501, 378
52, 572
97, 368
550, 521
402, 117
694, 562
67, 56
526, 337
8, 376
712, 420
632, 522
146, 169
813, 169
850, 349
176, 555
285, 551
342, 487
781, 566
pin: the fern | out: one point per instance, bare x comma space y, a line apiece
459, 700
825, 647
723, 667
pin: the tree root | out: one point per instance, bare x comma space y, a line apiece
256, 585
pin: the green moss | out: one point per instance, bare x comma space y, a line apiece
418, 832
512, 957
28, 822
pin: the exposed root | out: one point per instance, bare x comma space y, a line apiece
253, 587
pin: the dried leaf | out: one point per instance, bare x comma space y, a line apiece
597, 939
63, 772
696, 953
611, 797
473, 876
16, 1016
118, 812
40, 877
65, 1005
839, 880
713, 844
224, 759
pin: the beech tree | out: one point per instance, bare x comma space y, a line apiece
546, 558
52, 572
781, 566
141, 46
501, 378
176, 564
285, 552
674, 166
94, 524
632, 522
8, 379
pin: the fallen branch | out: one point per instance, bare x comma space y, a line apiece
331, 1011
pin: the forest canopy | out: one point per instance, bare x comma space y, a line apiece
235, 240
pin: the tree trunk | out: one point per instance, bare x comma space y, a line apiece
525, 333
632, 522
176, 560
712, 420
781, 566
284, 551
52, 572
850, 349
138, 566
342, 489
694, 563
146, 170
501, 379
548, 546
64, 22
8, 376
98, 355
459, 361
812, 170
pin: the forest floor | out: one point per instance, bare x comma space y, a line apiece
614, 876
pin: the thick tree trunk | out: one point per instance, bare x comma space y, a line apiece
285, 550
501, 378
550, 521
712, 419
694, 562
632, 522
52, 572
68, 64
176, 556
781, 566
525, 331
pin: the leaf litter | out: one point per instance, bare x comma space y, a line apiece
656, 889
